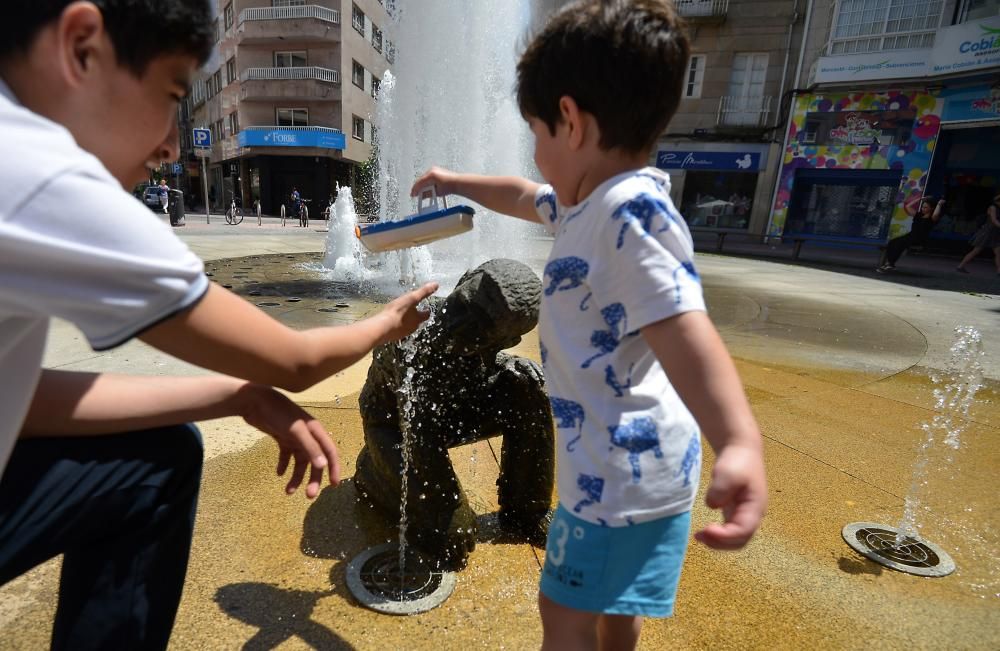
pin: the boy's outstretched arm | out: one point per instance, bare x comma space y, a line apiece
86, 404
699, 367
226, 334
510, 195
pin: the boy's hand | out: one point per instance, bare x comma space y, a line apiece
739, 488
441, 179
402, 316
299, 436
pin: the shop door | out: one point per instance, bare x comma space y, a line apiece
843, 203
965, 173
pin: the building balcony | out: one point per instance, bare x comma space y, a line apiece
703, 11
284, 25
309, 82
279, 136
745, 112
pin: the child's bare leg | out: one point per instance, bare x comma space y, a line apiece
618, 632
566, 629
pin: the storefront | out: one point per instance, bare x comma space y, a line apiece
855, 157
966, 165
718, 186
274, 161
853, 161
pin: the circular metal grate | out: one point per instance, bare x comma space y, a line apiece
911, 555
375, 579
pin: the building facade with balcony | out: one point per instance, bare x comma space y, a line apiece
289, 95
902, 101
722, 147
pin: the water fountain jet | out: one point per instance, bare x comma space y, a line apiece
900, 547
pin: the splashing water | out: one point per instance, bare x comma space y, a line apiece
448, 101
410, 393
344, 256
963, 378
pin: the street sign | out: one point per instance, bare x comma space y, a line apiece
178, 169
202, 152
202, 138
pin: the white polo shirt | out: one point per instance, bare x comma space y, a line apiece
74, 245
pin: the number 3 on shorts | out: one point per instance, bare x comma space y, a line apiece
557, 546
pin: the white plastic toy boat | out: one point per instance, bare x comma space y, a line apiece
429, 224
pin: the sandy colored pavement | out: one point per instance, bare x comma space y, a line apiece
840, 370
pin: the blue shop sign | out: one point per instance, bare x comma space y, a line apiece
976, 103
740, 161
292, 138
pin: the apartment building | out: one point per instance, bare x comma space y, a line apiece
901, 99
289, 95
723, 146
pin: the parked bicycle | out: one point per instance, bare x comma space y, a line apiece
234, 214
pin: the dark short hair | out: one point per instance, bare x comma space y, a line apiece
622, 61
140, 30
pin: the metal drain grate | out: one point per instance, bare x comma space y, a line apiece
374, 578
877, 542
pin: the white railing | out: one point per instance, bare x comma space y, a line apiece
290, 13
744, 111
702, 8
280, 128
307, 72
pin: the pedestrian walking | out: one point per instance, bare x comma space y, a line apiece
987, 237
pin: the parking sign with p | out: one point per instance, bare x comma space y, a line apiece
202, 138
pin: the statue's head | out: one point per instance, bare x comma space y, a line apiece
491, 307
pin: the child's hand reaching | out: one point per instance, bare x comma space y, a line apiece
441, 179
739, 488
403, 315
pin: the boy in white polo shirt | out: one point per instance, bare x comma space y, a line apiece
103, 468
634, 368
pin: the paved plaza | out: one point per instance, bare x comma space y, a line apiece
840, 365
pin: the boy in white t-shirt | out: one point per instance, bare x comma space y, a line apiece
633, 365
102, 468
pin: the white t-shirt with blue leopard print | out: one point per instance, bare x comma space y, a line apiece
628, 449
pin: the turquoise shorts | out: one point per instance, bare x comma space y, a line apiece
615, 570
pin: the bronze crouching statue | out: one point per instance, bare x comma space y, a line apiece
461, 389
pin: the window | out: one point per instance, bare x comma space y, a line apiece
718, 199
876, 25
695, 75
858, 128
228, 13
217, 80
231, 70
220, 131
296, 59
358, 74
376, 84
292, 117
376, 38
358, 128
234, 123
979, 9
216, 32
358, 19
746, 104
288, 3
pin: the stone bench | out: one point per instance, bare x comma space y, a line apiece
799, 240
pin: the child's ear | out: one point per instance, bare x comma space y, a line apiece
81, 37
575, 121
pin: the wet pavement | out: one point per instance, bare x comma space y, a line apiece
840, 369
